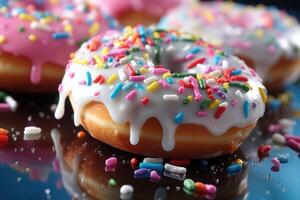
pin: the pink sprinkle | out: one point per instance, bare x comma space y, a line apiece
71, 74
211, 189
4, 107
253, 73
181, 89
96, 94
116, 52
197, 94
60, 88
111, 162
210, 51
201, 113
163, 83
92, 61
297, 139
160, 71
188, 56
233, 102
154, 176
276, 162
293, 144
131, 95
137, 78
105, 58
273, 128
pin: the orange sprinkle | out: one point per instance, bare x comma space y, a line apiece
81, 134
200, 187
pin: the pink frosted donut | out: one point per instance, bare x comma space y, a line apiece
37, 36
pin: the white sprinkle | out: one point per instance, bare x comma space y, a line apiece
210, 81
148, 49
13, 104
216, 73
186, 79
175, 169
39, 26
225, 64
224, 104
133, 63
122, 75
32, 130
150, 79
126, 191
238, 93
171, 97
29, 137
279, 139
124, 60
153, 160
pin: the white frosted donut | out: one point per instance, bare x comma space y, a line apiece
266, 37
175, 78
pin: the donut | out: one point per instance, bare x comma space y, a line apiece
264, 37
143, 86
36, 41
134, 12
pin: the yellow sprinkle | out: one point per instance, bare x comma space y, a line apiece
226, 85
26, 17
146, 56
153, 86
99, 61
166, 75
2, 39
156, 35
239, 161
80, 61
143, 70
94, 29
32, 38
213, 104
190, 98
105, 51
112, 79
68, 28
263, 95
199, 76
46, 20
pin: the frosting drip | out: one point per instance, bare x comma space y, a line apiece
177, 78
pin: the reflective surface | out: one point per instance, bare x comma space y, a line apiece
62, 166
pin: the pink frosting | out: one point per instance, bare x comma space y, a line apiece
45, 48
155, 7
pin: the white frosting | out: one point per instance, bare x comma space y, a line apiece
163, 109
261, 34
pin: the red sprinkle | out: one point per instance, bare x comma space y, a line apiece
219, 112
145, 100
182, 163
263, 151
239, 78
3, 137
185, 84
293, 144
131, 70
99, 79
196, 62
133, 162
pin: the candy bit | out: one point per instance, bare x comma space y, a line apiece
3, 137
111, 162
145, 100
112, 182
293, 144
154, 176
276, 162
263, 151
189, 184
80, 134
133, 162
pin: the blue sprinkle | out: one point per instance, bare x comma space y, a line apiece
236, 72
283, 159
195, 50
88, 79
179, 118
234, 169
246, 108
128, 86
141, 30
217, 59
110, 59
274, 105
152, 166
140, 87
116, 91
170, 80
60, 35
142, 173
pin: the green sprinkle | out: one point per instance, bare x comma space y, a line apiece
21, 29
205, 103
112, 182
238, 85
2, 96
182, 75
185, 101
134, 49
202, 84
189, 184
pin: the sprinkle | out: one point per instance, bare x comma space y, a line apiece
131, 95
88, 78
202, 84
153, 86
122, 75
220, 111
239, 161
150, 79
154, 176
293, 137
163, 83
263, 151
179, 118
166, 75
61, 35
133, 162
80, 61
32, 133
214, 104
175, 169
160, 71
276, 162
145, 100
81, 134
171, 97
112, 182
152, 166
137, 78
239, 78
246, 108
126, 192
205, 103
111, 162
99, 79
238, 85
142, 173
278, 139
32, 38
116, 91
202, 113
111, 79
3, 137
283, 159
263, 94
293, 144
4, 107
153, 160
189, 184
234, 169
13, 104
196, 62
196, 91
